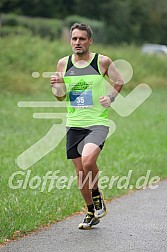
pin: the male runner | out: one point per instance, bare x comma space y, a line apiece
83, 87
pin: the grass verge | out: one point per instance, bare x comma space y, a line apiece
138, 144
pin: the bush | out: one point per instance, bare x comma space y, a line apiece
44, 27
50, 28
15, 30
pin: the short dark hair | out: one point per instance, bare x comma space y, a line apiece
82, 27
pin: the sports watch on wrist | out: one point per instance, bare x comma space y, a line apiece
112, 98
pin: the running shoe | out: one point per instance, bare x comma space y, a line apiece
100, 207
89, 221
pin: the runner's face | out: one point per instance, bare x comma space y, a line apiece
80, 42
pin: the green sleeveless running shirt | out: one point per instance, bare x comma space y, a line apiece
84, 86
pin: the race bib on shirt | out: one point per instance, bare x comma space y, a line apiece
81, 99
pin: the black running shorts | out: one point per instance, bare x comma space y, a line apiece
76, 138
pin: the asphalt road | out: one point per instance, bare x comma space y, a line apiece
135, 222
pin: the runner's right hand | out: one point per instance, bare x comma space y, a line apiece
56, 81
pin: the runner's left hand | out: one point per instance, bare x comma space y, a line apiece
105, 101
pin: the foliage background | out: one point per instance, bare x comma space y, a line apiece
118, 21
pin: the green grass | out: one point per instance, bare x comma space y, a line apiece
138, 144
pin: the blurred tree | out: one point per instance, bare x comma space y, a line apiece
125, 20
138, 20
40, 8
117, 18
156, 22
90, 9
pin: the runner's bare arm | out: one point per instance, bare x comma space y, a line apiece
108, 68
57, 82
